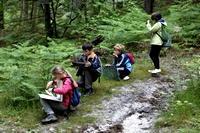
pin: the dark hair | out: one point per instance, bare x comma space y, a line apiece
87, 46
156, 16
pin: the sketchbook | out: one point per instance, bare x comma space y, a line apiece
51, 96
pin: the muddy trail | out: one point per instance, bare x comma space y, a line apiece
133, 109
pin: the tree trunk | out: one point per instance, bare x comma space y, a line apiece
148, 6
85, 10
195, 1
25, 9
48, 26
1, 15
54, 19
119, 4
33, 14
113, 4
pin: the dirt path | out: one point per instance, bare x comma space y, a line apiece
134, 109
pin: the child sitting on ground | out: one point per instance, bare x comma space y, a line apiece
65, 89
90, 70
122, 62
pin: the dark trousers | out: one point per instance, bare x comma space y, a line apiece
87, 79
123, 73
154, 54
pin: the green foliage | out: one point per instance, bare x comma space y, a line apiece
25, 70
124, 29
184, 110
184, 21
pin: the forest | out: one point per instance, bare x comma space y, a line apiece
36, 35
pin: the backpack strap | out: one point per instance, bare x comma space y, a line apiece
161, 31
159, 36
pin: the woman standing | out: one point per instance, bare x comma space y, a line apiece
156, 41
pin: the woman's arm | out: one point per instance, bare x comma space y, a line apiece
49, 84
67, 86
122, 58
153, 28
75, 84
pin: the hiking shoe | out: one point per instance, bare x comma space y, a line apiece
49, 119
150, 71
66, 114
89, 92
126, 78
156, 71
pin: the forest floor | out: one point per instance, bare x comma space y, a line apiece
132, 108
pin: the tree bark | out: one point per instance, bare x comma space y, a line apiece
1, 15
25, 9
195, 1
119, 4
113, 4
85, 10
33, 14
54, 19
48, 26
148, 6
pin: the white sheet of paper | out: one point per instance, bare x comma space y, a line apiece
51, 96
57, 97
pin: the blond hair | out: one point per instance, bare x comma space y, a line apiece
119, 47
57, 70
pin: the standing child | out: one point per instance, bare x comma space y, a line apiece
90, 70
65, 89
156, 41
122, 62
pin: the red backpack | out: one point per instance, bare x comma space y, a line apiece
131, 57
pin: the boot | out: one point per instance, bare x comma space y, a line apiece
49, 119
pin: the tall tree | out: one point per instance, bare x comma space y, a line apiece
48, 26
25, 9
47, 17
33, 14
1, 15
148, 6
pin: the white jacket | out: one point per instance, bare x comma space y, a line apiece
156, 28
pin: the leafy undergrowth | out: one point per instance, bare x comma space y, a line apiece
25, 71
184, 111
29, 117
183, 19
124, 28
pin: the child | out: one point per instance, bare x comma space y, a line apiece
90, 70
65, 89
122, 62
156, 41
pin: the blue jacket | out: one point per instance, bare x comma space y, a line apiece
123, 61
96, 65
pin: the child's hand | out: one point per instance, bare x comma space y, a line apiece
75, 84
49, 84
87, 64
107, 65
115, 55
50, 90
